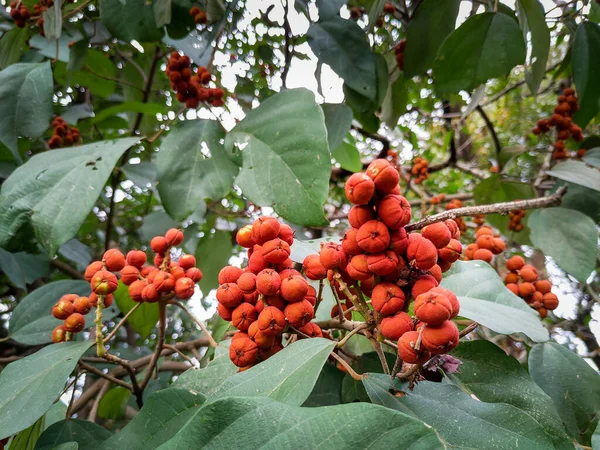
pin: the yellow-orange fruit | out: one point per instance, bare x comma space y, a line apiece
451, 296
359, 215
399, 241
395, 326
432, 308
286, 233
350, 244
515, 263
358, 268
383, 263
104, 282
247, 283
332, 256
229, 274
285, 265
174, 237
244, 237
511, 278
312, 267
394, 211
483, 254
114, 260
528, 273
453, 227
264, 229
187, 261
299, 313
451, 252
229, 294
164, 282
257, 262
294, 288
251, 298
129, 274
373, 237
225, 312
63, 309
384, 175
271, 320
470, 250
387, 299
276, 251
184, 288
312, 330
150, 294
423, 285
359, 189
136, 258
74, 323
543, 286
194, 273
243, 315
243, 352
498, 246
436, 272
550, 301
159, 245
311, 295
108, 300
406, 349
59, 334
421, 253
526, 289
514, 288
268, 282
485, 241
483, 231
82, 305
440, 339
135, 290
438, 233
91, 270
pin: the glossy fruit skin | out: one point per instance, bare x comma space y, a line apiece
82, 305
74, 323
104, 282
59, 334
174, 237
63, 309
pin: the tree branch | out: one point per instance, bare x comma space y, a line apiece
67, 269
490, 127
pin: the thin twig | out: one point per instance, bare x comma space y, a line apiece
347, 366
341, 343
67, 269
100, 351
96, 404
137, 391
496, 208
213, 343
470, 328
397, 366
70, 407
319, 295
377, 346
121, 323
490, 127
162, 323
180, 353
106, 376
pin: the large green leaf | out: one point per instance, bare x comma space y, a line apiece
342, 45
582, 199
354, 390
12, 45
23, 268
27, 438
432, 22
396, 97
486, 46
53, 21
571, 383
87, 434
586, 66
348, 157
25, 102
131, 20
193, 166
495, 377
327, 390
112, 404
266, 424
98, 73
286, 162
55, 191
569, 236
532, 20
338, 119
592, 157
29, 386
207, 380
288, 376
132, 106
212, 254
459, 419
144, 318
162, 416
578, 173
484, 299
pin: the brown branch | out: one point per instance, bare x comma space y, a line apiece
377, 347
106, 376
203, 327
96, 404
347, 366
67, 269
490, 127
336, 324
470, 328
496, 208
137, 391
162, 323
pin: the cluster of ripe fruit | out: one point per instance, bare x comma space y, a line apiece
562, 121
523, 280
198, 15
516, 217
486, 245
267, 296
420, 169
162, 281
191, 84
21, 14
379, 259
454, 204
63, 135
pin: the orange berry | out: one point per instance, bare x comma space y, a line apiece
312, 267
244, 237
515, 263
387, 299
91, 270
174, 237
359, 215
74, 323
394, 211
440, 339
384, 175
243, 315
406, 349
230, 274
299, 313
268, 282
264, 229
63, 309
104, 282
359, 189
159, 245
395, 326
243, 352
82, 305
136, 258
438, 233
135, 290
372, 237
59, 334
229, 294
432, 308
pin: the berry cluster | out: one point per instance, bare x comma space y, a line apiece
192, 87
147, 283
486, 245
420, 169
20, 14
356, 12
63, 135
454, 204
562, 121
389, 8
523, 280
437, 199
378, 258
198, 15
266, 296
399, 53
516, 217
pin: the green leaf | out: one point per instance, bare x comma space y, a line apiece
144, 318
508, 153
341, 44
130, 20
286, 162
571, 383
592, 157
23, 268
365, 107
301, 249
55, 49
139, 107
212, 254
155, 224
32, 322
53, 21
484, 299
338, 119
205, 381
142, 174
25, 102
220, 425
192, 166
374, 12
87, 434
494, 377
42, 191
584, 200
12, 45
215, 10
348, 157
353, 390
327, 390
486, 46
23, 397
113, 403
78, 53
162, 12
329, 8
578, 173
459, 419
162, 416
586, 66
532, 20
288, 376
27, 438
394, 103
432, 22
568, 236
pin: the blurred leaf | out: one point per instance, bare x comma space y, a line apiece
374, 12
23, 268
586, 66
508, 153
77, 252
156, 224
327, 390
53, 21
329, 8
131, 20
142, 174
139, 107
77, 56
162, 12
215, 10
212, 254
584, 200
77, 112
113, 403
465, 58
532, 20
568, 236
143, 319
348, 157
12, 46
87, 434
592, 157
26, 439
394, 103
338, 119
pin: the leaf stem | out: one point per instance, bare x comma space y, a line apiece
121, 323
203, 327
